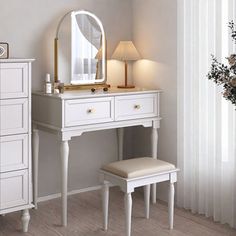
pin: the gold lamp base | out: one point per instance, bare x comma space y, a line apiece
126, 86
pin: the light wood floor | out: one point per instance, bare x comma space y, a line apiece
85, 218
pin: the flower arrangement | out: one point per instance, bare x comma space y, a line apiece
225, 75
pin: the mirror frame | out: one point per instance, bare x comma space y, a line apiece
104, 54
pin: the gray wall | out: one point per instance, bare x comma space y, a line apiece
29, 27
155, 35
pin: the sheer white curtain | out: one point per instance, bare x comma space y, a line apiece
206, 121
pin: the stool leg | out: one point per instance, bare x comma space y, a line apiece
128, 213
154, 155
154, 193
171, 204
105, 203
147, 200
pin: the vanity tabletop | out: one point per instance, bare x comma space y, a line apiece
98, 93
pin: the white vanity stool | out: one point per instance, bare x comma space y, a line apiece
137, 172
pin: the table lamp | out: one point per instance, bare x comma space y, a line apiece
126, 51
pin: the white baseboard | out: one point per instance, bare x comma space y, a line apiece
57, 195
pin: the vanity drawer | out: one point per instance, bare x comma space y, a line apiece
13, 80
135, 106
13, 116
13, 152
14, 187
88, 111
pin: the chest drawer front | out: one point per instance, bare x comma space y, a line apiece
135, 106
89, 111
14, 189
13, 152
13, 116
13, 80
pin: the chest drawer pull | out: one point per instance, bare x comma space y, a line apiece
137, 107
91, 110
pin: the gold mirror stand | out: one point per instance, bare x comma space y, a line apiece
56, 60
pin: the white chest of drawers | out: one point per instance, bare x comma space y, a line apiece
73, 113
15, 137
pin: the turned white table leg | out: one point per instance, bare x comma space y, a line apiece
120, 136
147, 200
25, 218
105, 204
128, 213
171, 204
154, 155
35, 141
64, 150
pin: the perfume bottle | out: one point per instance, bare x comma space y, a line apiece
48, 85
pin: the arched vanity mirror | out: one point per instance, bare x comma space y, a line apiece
80, 50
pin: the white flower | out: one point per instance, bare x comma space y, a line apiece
226, 93
223, 78
233, 81
232, 59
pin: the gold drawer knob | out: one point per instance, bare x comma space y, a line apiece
137, 106
91, 110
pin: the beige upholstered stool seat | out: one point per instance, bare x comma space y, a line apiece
138, 167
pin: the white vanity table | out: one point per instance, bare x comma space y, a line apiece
71, 114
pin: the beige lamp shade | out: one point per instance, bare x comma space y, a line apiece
126, 51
